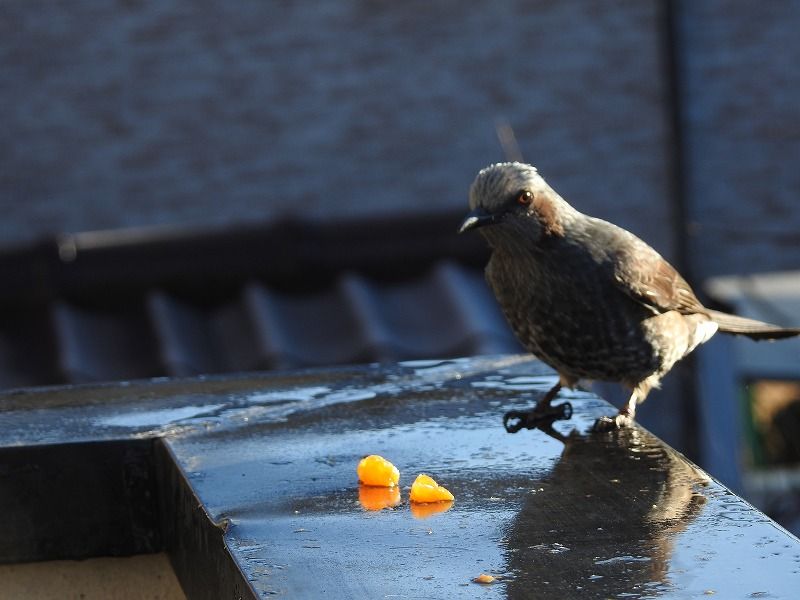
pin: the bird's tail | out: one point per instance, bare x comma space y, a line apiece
756, 330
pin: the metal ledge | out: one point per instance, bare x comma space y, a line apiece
257, 494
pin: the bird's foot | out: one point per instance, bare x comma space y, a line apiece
619, 421
514, 420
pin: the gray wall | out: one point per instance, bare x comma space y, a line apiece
740, 67
206, 113
133, 113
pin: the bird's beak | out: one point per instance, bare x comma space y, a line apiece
477, 218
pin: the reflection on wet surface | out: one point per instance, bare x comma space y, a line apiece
552, 513
608, 514
377, 498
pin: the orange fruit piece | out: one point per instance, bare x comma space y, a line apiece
377, 498
484, 578
376, 470
425, 489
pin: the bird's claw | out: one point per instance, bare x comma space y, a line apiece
515, 420
614, 423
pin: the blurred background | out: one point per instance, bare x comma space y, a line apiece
210, 187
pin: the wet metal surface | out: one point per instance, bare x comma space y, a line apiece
552, 514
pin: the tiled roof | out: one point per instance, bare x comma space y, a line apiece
123, 307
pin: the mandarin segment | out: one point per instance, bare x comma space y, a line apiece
376, 470
425, 489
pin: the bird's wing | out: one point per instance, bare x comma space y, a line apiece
644, 275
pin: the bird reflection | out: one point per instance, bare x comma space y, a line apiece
603, 522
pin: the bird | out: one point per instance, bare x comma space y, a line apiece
588, 298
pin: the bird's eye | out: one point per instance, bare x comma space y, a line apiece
525, 198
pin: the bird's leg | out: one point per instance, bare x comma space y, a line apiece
624, 417
514, 420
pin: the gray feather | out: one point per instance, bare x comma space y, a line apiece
756, 330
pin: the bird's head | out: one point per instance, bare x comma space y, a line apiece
508, 197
